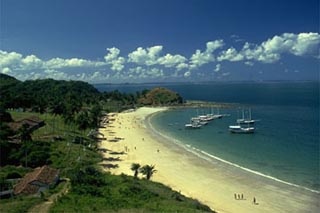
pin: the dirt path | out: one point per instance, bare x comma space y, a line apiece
45, 206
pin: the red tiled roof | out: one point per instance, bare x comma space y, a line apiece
44, 174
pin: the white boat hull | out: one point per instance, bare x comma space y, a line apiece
241, 130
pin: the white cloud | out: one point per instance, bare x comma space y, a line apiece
271, 50
9, 59
6, 70
171, 60
147, 56
17, 61
32, 62
200, 58
249, 63
182, 66
151, 62
113, 54
140, 72
187, 74
217, 68
296, 44
155, 72
113, 58
59, 63
230, 54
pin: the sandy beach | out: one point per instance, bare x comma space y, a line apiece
130, 139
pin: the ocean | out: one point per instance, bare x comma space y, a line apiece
285, 146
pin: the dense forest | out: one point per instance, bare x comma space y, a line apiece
77, 103
69, 111
47, 94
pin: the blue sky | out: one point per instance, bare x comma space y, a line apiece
106, 41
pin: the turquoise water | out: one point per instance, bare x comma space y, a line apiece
286, 143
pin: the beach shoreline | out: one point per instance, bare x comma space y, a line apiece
211, 158
211, 181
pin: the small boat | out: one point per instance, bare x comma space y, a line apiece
244, 120
241, 130
195, 123
192, 125
202, 119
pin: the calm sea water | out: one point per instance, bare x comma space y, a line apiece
286, 143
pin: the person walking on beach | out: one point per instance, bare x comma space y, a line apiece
254, 200
235, 196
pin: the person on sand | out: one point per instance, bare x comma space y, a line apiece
241, 196
235, 196
254, 200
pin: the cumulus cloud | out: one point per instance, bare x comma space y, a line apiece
59, 63
270, 51
16, 61
187, 74
230, 54
217, 68
113, 58
32, 67
200, 58
6, 70
182, 66
9, 58
147, 56
151, 62
151, 56
172, 60
141, 72
249, 63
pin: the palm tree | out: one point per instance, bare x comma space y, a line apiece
135, 167
148, 171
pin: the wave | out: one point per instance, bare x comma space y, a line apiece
209, 157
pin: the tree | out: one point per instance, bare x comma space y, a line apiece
148, 171
56, 108
95, 114
82, 120
5, 116
24, 133
135, 167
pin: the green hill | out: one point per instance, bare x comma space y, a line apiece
43, 93
160, 96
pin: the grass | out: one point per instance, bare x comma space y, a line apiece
127, 194
117, 193
54, 126
18, 204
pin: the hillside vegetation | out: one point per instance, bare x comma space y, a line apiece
70, 109
160, 96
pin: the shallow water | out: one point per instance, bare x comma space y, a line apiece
286, 143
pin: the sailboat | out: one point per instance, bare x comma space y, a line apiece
244, 120
241, 129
